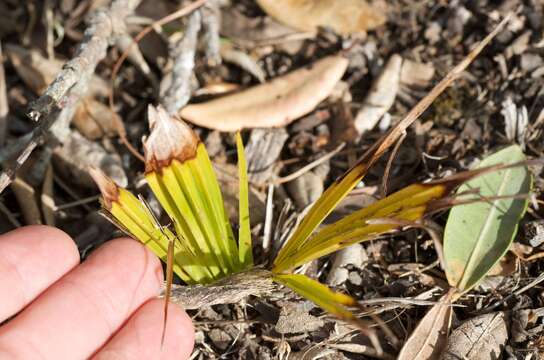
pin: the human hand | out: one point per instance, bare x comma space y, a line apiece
105, 308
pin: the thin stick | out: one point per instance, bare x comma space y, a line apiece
376, 151
78, 202
168, 290
309, 167
533, 283
268, 220
103, 27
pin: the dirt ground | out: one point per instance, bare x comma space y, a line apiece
498, 101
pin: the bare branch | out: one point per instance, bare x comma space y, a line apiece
104, 25
64, 92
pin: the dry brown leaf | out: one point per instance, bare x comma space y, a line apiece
343, 16
26, 198
47, 199
479, 338
95, 120
273, 104
381, 96
92, 118
431, 334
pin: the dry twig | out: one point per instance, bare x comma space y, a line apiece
69, 85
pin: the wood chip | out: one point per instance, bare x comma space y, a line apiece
381, 96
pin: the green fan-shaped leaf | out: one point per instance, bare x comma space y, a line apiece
478, 234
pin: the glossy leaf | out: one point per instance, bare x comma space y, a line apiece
478, 234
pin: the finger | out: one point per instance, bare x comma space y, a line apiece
78, 314
140, 338
31, 259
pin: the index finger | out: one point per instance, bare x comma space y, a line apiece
31, 259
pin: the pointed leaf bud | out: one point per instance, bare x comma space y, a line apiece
170, 139
109, 190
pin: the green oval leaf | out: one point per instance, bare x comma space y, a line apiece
478, 234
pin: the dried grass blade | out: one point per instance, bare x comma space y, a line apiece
168, 290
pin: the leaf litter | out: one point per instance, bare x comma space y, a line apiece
443, 147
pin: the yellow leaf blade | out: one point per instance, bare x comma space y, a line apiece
244, 234
341, 187
333, 302
408, 204
173, 200
203, 171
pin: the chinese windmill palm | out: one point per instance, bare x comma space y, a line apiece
200, 239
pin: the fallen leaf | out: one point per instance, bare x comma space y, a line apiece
381, 96
47, 199
26, 197
343, 16
477, 235
273, 104
430, 336
95, 120
263, 150
305, 189
227, 176
91, 117
480, 338
354, 255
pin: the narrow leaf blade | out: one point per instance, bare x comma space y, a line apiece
333, 302
407, 205
478, 234
342, 186
244, 233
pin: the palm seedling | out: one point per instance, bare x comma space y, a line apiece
199, 244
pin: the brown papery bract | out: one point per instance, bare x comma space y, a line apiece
163, 144
108, 188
